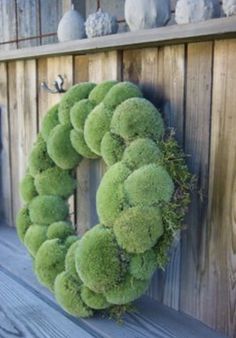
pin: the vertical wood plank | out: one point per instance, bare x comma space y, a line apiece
218, 260
197, 135
5, 148
7, 24
23, 120
51, 13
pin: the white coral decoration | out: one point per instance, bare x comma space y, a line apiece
229, 7
145, 14
100, 23
196, 10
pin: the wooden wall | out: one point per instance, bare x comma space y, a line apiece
194, 85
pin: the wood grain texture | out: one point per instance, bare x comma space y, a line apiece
51, 13
7, 24
5, 157
197, 147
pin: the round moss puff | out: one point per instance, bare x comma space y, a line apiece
39, 159
121, 92
100, 91
50, 121
55, 181
70, 259
79, 112
138, 229
110, 194
95, 301
140, 152
137, 118
96, 125
70, 240
34, 238
74, 94
49, 262
149, 185
23, 222
127, 291
98, 260
79, 144
48, 209
27, 188
67, 293
142, 266
112, 148
60, 148
60, 230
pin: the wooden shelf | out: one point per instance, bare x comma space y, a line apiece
212, 29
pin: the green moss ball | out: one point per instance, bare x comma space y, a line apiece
129, 290
39, 159
70, 240
142, 266
34, 238
23, 222
48, 209
79, 112
110, 194
74, 94
27, 188
112, 148
100, 91
95, 301
138, 229
98, 260
55, 181
60, 230
96, 126
121, 92
50, 121
67, 293
60, 148
149, 185
79, 144
49, 262
137, 118
70, 259
140, 152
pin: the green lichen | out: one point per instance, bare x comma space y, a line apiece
94, 300
137, 118
142, 266
23, 222
100, 91
99, 260
141, 152
96, 126
68, 295
34, 238
60, 230
60, 148
74, 94
27, 188
112, 148
121, 92
138, 229
79, 144
70, 259
48, 209
127, 291
110, 194
50, 121
39, 159
79, 112
49, 262
55, 181
149, 185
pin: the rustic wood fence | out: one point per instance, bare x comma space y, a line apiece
194, 85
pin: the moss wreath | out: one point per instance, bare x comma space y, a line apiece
141, 200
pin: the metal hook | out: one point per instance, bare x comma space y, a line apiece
58, 85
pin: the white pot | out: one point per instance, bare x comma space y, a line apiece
71, 26
145, 14
229, 7
196, 10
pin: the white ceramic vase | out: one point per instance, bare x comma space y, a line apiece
229, 7
71, 26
